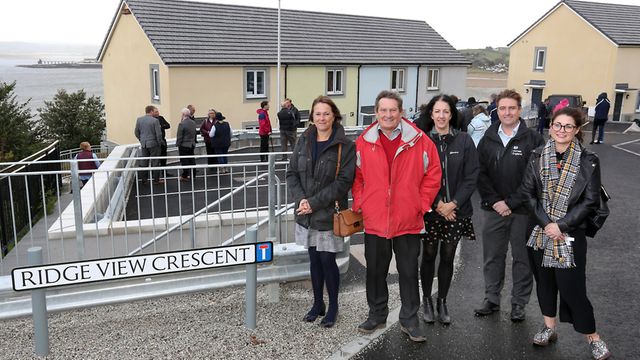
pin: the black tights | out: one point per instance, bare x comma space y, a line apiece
445, 268
324, 270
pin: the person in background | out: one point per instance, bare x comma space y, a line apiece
479, 124
466, 114
220, 136
561, 105
542, 115
562, 187
288, 118
315, 187
205, 131
186, 143
264, 129
504, 154
492, 109
164, 125
397, 179
600, 118
192, 112
86, 154
149, 134
450, 218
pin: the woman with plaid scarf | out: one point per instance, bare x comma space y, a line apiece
562, 186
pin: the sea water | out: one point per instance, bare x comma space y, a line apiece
38, 85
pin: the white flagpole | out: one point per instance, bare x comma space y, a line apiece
278, 100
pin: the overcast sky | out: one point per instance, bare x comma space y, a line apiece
464, 23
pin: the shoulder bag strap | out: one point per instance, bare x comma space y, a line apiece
338, 170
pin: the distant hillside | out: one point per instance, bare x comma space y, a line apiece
491, 59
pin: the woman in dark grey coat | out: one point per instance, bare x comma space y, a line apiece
315, 187
186, 143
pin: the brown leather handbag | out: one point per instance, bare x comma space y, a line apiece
345, 222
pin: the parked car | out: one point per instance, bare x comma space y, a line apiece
574, 100
461, 104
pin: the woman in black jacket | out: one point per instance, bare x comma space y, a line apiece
315, 187
562, 188
451, 216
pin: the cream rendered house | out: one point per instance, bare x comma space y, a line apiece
172, 53
582, 48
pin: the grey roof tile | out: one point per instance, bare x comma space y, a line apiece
188, 32
621, 23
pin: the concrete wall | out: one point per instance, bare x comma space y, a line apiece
579, 60
628, 71
453, 81
127, 79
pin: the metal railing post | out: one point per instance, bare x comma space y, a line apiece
251, 284
273, 289
39, 308
192, 227
77, 209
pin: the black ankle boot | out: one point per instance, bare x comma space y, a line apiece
428, 310
316, 310
443, 312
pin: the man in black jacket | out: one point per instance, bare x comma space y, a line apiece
289, 118
504, 152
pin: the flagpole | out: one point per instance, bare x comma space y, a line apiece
278, 66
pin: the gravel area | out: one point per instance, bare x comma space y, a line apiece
196, 326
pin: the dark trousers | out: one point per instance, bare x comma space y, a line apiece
222, 160
210, 151
264, 147
541, 123
154, 163
598, 126
287, 138
497, 234
186, 161
163, 153
575, 306
377, 252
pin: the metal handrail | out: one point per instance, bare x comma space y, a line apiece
197, 213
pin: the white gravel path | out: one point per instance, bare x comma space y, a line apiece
196, 326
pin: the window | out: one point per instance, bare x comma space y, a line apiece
335, 85
255, 83
397, 80
541, 57
433, 81
155, 83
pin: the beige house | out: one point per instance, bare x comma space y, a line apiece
581, 48
172, 53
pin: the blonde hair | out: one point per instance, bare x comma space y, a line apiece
85, 145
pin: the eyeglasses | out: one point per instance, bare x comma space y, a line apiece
566, 127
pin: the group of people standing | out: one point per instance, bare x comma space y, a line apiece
413, 185
150, 131
289, 120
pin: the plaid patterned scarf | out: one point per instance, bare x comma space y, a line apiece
556, 188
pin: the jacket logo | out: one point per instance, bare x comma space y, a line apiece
516, 152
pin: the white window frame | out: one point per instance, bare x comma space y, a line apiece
540, 65
400, 79
337, 80
154, 73
256, 93
433, 79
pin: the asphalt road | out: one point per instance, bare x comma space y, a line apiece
613, 274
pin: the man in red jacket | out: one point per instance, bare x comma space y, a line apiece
264, 129
397, 178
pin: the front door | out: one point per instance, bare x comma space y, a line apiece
617, 106
536, 97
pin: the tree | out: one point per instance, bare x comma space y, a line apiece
72, 118
17, 139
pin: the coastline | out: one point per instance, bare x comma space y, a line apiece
63, 66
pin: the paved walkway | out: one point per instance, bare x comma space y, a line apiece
613, 272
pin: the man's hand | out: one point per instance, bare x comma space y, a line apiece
502, 208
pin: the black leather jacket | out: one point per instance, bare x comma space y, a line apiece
318, 184
584, 198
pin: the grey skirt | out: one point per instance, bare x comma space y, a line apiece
322, 240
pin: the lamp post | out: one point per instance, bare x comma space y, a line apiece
278, 66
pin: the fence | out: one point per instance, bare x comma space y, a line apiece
26, 197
